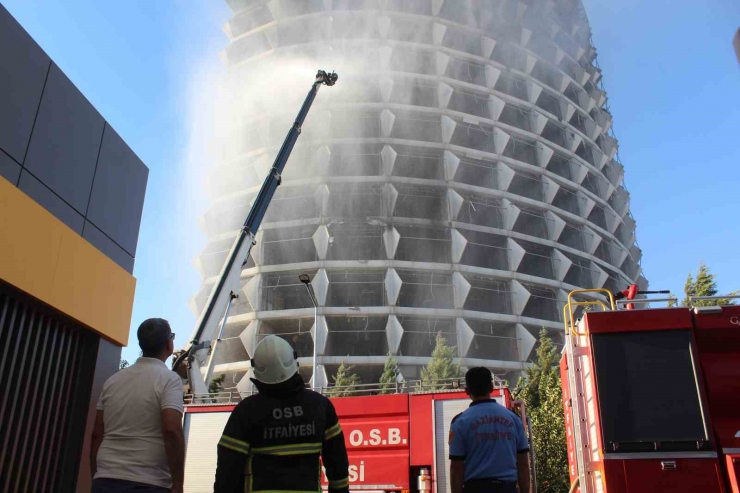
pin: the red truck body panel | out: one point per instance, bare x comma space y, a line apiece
648, 476
637, 320
376, 433
718, 342
422, 424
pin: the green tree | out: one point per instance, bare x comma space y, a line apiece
345, 382
122, 364
704, 285
389, 376
441, 369
216, 384
542, 396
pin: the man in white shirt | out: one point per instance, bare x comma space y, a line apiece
137, 442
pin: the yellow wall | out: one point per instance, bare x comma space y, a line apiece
40, 255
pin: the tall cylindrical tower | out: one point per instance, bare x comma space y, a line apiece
461, 180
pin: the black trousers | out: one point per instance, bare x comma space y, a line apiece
489, 486
110, 485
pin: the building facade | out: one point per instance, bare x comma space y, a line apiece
71, 198
462, 179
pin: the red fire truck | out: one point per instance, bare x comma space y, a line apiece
651, 397
388, 450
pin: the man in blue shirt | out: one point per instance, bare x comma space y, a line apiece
488, 446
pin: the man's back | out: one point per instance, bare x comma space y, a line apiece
488, 437
132, 402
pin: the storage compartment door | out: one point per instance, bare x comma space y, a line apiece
202, 433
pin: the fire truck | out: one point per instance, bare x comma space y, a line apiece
651, 396
388, 450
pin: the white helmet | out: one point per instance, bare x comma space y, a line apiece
274, 360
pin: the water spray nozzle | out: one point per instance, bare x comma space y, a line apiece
324, 78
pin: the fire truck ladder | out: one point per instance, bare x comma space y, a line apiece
578, 369
225, 289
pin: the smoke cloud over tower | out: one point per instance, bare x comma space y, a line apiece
460, 179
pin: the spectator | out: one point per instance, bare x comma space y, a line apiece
137, 442
488, 446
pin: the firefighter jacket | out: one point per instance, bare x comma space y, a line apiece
273, 441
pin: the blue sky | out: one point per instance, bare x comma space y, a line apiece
669, 70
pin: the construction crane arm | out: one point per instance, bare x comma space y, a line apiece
226, 287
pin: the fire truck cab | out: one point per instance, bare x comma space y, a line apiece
395, 442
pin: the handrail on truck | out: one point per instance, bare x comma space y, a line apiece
711, 308
571, 302
670, 299
614, 303
712, 298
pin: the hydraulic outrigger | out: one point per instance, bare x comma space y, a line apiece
227, 286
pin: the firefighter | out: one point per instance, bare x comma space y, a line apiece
488, 446
273, 439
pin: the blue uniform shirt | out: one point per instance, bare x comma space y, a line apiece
488, 437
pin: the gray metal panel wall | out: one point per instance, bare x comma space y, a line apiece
117, 196
46, 366
24, 66
59, 150
65, 142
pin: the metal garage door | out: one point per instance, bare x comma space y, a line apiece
202, 433
444, 411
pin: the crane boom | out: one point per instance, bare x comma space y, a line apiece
227, 286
